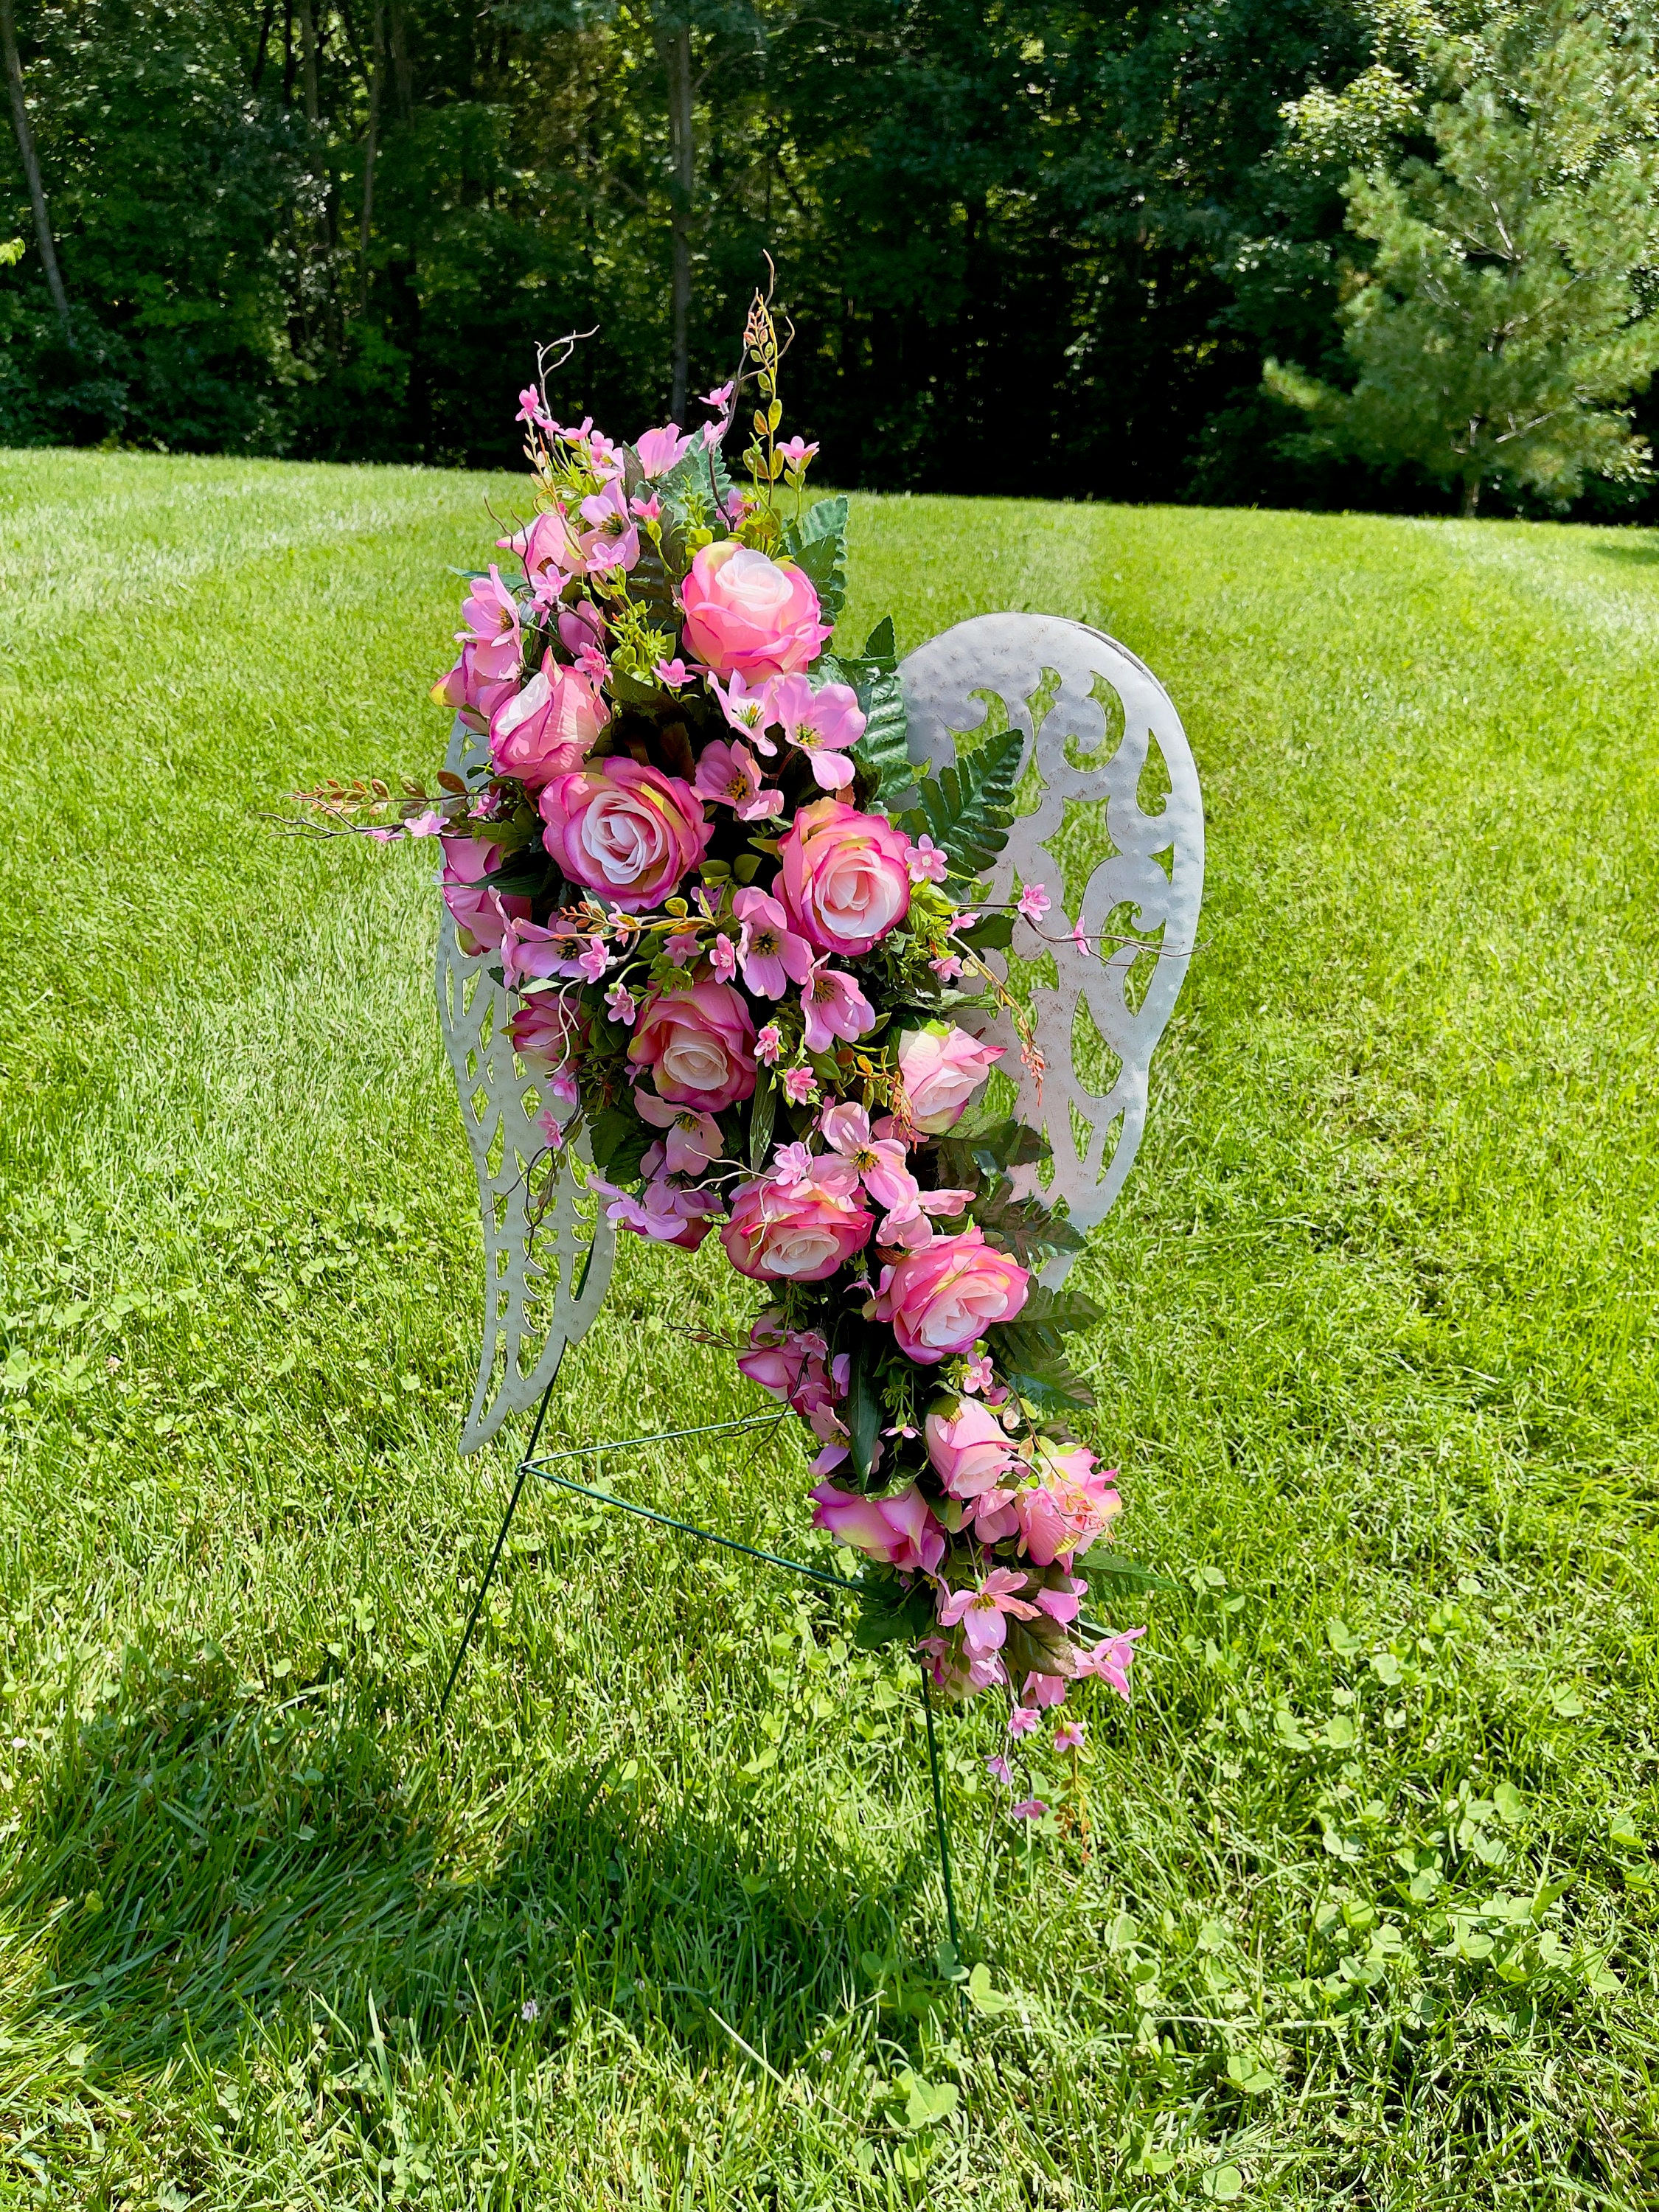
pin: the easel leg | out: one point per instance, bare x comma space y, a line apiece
938, 1815
500, 1539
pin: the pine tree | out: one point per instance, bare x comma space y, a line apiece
1500, 325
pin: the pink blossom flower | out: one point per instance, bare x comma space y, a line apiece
793, 1364
480, 914
745, 615
694, 1137
681, 946
769, 1044
1069, 1735
720, 398
429, 825
771, 954
970, 1448
661, 450
1062, 1605
698, 1044
942, 1297
978, 1374
1075, 1503
747, 710
730, 775
900, 1530
822, 723
1110, 1659
491, 614
999, 1771
664, 1211
674, 673
877, 1163
941, 1067
596, 958
531, 954
647, 510
844, 879
621, 1005
909, 1226
533, 410
796, 453
1028, 1808
1022, 1719
552, 1130
1045, 1691
801, 1234
723, 958
984, 1612
1034, 902
834, 1007
927, 862
800, 1087
625, 828
947, 967
1080, 941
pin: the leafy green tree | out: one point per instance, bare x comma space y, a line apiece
1500, 325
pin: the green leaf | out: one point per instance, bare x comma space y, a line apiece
1024, 1227
994, 935
888, 1613
881, 647
1036, 1369
927, 2103
762, 1112
619, 1142
982, 1997
1509, 1805
883, 752
967, 807
969, 1156
1057, 1312
1113, 1567
817, 544
863, 1411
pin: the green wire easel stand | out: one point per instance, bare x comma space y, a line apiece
542, 1470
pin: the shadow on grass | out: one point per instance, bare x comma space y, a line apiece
1643, 549
199, 1857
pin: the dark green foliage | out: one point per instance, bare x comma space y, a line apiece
1029, 1350
1024, 1227
618, 1143
889, 1614
968, 805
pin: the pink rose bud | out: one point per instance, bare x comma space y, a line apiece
942, 1296
547, 1028
940, 1069
968, 1446
474, 687
480, 914
547, 728
845, 879
699, 1044
799, 1236
899, 1531
745, 615
624, 828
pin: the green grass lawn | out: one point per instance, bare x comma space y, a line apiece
1367, 1910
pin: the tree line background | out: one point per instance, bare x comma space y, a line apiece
1033, 246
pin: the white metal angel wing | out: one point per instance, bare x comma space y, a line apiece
1090, 1084
546, 1273
545, 1279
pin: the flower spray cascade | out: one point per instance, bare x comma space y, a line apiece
746, 947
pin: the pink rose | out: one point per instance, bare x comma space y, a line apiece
547, 728
746, 616
941, 1068
481, 915
625, 830
968, 1446
942, 1296
845, 881
547, 1028
801, 1235
699, 1044
899, 1530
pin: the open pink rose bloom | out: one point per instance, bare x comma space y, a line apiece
750, 989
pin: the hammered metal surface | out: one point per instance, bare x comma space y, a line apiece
1128, 895
530, 1314
531, 1264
